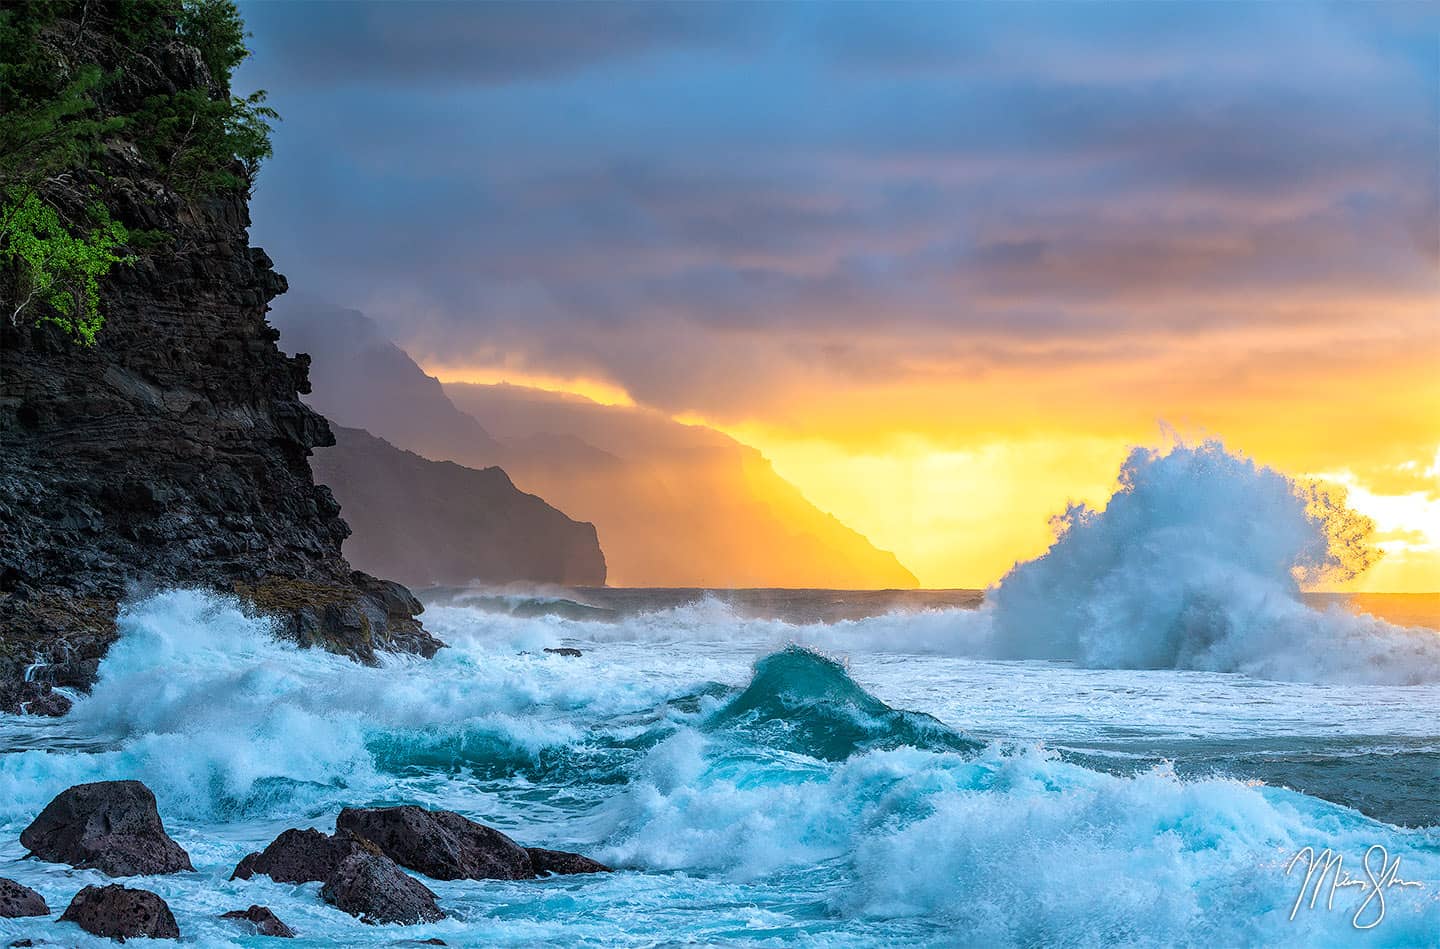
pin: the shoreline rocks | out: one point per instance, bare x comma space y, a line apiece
120, 913
375, 889
440, 844
32, 698
301, 856
18, 900
115, 827
110, 826
562, 862
259, 921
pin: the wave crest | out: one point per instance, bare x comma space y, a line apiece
1196, 562
801, 701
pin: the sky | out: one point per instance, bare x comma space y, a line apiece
940, 262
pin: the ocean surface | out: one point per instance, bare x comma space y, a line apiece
1123, 743
759, 779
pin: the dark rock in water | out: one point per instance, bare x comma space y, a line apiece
110, 826
439, 844
354, 619
301, 856
564, 651
175, 451
120, 913
260, 921
563, 862
17, 900
32, 698
374, 888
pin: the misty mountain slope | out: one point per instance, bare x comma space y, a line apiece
690, 506
366, 381
436, 522
674, 505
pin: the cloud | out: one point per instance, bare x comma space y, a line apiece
724, 207
491, 42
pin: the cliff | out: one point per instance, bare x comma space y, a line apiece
434, 522
174, 450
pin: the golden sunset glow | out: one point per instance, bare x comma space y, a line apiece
961, 516
596, 390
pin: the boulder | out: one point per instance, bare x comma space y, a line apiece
563, 862
110, 826
300, 856
440, 844
260, 921
375, 889
570, 651
32, 698
117, 912
17, 900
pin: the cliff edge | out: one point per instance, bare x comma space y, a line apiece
174, 449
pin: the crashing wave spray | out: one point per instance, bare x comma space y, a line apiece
1196, 562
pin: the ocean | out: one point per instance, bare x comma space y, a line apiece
1124, 743
757, 778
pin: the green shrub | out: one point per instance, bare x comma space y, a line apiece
58, 269
53, 125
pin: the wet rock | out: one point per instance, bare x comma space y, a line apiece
260, 921
301, 856
439, 844
120, 913
375, 889
32, 698
110, 826
563, 862
564, 651
17, 900
175, 452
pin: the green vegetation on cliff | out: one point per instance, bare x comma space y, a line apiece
64, 84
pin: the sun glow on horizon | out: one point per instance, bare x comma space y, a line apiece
962, 517
596, 390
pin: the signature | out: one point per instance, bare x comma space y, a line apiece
1328, 864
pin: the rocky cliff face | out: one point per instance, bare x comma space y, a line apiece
175, 451
435, 522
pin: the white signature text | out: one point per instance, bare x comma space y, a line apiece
1381, 874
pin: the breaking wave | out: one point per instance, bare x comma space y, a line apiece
804, 702
792, 804
1197, 562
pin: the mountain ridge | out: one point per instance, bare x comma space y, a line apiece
674, 504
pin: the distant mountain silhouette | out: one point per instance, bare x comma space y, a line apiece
674, 505
366, 381
438, 523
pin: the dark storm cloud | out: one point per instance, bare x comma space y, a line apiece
682, 196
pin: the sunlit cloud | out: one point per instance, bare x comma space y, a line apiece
905, 262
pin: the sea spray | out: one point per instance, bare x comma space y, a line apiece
862, 824
269, 728
801, 701
1196, 563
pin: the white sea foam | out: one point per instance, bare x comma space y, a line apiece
1014, 848
729, 833
1196, 562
